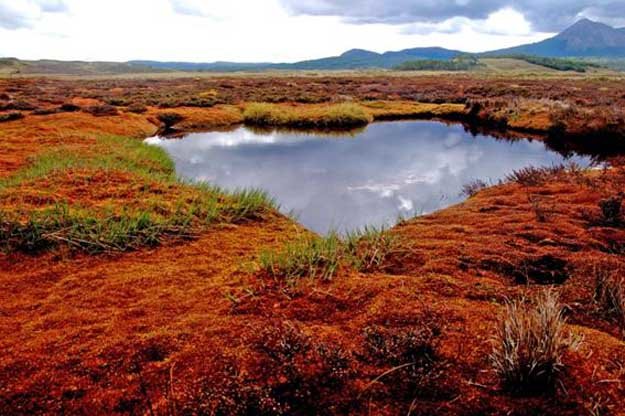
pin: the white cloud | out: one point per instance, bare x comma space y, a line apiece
209, 30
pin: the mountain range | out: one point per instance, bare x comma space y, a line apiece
584, 39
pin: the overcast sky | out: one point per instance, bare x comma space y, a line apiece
278, 30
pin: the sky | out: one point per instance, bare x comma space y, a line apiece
278, 30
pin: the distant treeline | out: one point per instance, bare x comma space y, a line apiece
460, 63
559, 64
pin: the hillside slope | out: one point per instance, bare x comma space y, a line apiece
584, 39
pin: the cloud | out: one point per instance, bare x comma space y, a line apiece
545, 16
505, 22
191, 7
15, 14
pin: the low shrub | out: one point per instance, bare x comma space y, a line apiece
530, 344
69, 108
611, 211
471, 189
102, 110
169, 119
14, 115
45, 111
410, 354
137, 108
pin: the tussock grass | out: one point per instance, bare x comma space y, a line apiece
308, 257
369, 248
530, 343
535, 176
247, 204
319, 257
610, 293
343, 115
80, 230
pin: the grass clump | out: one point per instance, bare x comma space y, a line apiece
610, 294
343, 115
247, 204
535, 176
368, 249
308, 257
86, 232
530, 344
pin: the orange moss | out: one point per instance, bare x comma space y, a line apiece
156, 329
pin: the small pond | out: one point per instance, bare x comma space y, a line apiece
344, 182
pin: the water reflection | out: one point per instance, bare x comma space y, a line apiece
345, 182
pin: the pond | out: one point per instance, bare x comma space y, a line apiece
343, 182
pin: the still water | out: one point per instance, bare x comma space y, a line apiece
388, 171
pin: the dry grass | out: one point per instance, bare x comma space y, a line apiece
530, 344
344, 115
610, 293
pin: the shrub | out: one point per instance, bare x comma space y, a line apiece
21, 106
102, 110
307, 257
69, 108
410, 355
169, 119
137, 108
14, 115
305, 371
530, 344
45, 111
611, 211
472, 188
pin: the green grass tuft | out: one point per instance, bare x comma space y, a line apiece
368, 249
308, 257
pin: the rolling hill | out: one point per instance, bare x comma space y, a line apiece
352, 59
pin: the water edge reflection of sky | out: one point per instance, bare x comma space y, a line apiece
388, 171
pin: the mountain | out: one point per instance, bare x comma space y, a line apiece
352, 59
584, 39
359, 58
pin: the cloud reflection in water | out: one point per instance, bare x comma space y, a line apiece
391, 169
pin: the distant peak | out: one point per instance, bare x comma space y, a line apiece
587, 23
358, 52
